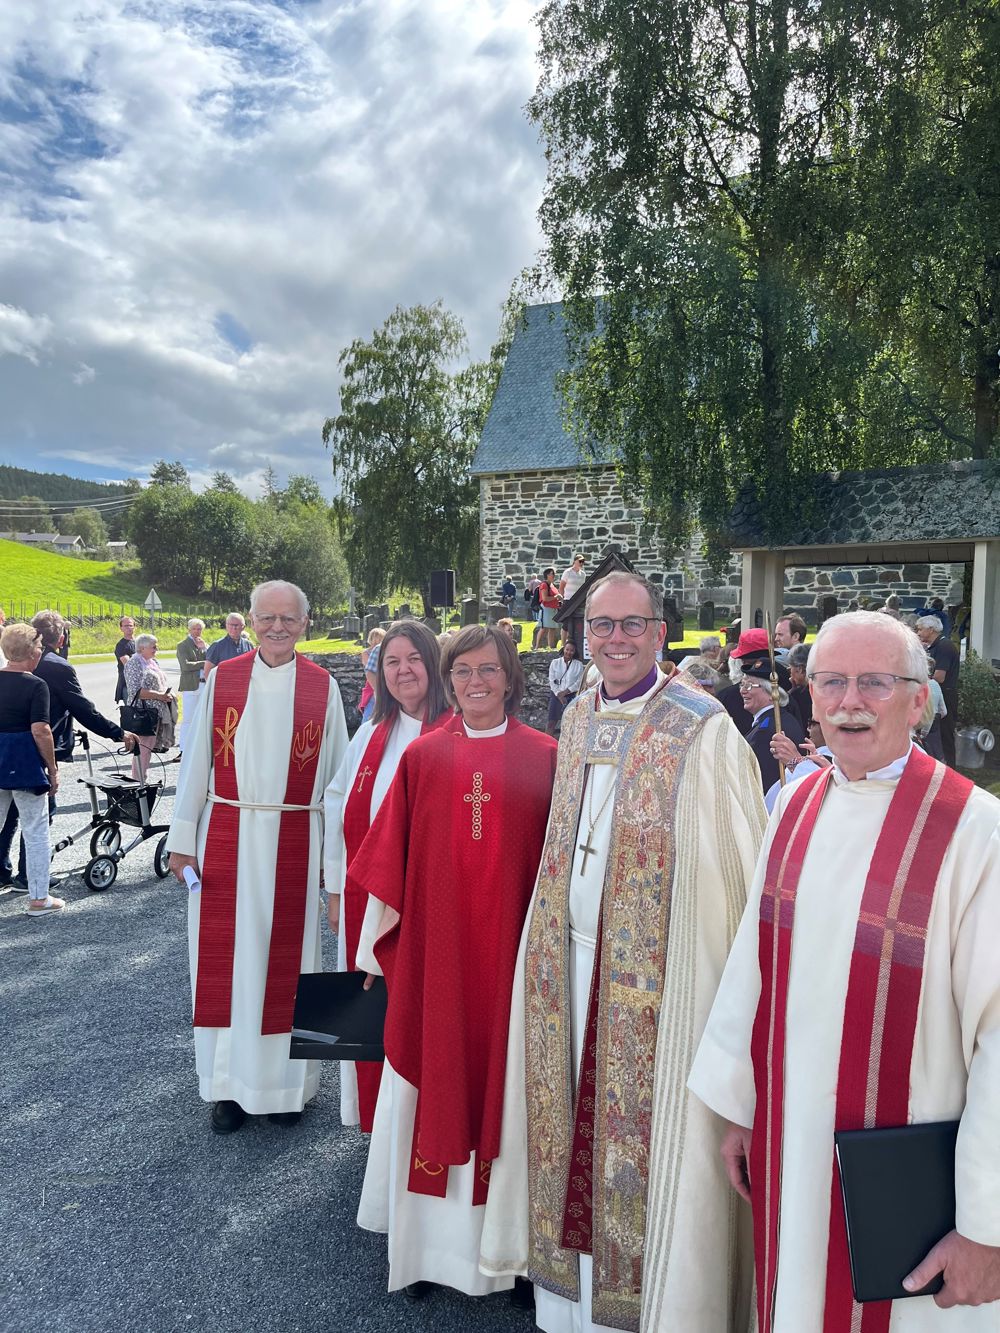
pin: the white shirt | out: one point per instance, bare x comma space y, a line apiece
565, 676
572, 581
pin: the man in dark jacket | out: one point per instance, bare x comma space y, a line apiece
755, 688
68, 706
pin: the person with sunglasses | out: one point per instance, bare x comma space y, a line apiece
452, 858
863, 992
656, 820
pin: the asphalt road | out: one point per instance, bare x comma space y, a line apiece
121, 1211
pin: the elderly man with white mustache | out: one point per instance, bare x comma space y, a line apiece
863, 992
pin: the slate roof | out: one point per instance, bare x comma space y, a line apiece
524, 430
936, 502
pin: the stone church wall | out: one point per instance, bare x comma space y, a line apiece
529, 521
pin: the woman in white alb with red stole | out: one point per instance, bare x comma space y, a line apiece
409, 699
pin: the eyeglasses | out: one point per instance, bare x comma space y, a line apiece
871, 685
486, 673
746, 685
287, 622
602, 627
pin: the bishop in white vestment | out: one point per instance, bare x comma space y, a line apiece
605, 1190
868, 683
257, 743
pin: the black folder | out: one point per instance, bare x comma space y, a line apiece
337, 1019
899, 1201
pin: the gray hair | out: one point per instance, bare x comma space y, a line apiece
620, 576
704, 673
235, 615
891, 629
930, 622
279, 585
798, 655
196, 621
709, 641
144, 641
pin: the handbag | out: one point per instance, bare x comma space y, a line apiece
138, 717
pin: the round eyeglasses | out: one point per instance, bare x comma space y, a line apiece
602, 627
871, 684
287, 622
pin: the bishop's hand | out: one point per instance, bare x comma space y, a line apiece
735, 1150
971, 1272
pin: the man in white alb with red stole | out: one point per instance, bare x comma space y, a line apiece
609, 1190
248, 819
409, 701
451, 861
870, 998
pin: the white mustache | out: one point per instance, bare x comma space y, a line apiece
842, 718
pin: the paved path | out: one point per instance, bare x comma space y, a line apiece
120, 1211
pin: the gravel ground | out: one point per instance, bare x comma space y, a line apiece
122, 1212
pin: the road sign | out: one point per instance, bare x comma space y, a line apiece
152, 602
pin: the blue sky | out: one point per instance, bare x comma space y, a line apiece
201, 204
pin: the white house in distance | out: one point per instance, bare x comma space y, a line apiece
61, 543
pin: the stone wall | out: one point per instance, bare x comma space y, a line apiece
531, 520
347, 671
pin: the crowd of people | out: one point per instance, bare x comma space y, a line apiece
633, 976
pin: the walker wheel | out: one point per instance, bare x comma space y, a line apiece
106, 840
100, 873
161, 858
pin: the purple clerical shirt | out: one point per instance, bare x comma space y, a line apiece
645, 684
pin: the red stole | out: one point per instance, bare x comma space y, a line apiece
455, 850
357, 822
217, 926
880, 1014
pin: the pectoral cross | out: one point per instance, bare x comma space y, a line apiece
366, 772
588, 850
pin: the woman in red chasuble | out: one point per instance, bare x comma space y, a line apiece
409, 699
449, 865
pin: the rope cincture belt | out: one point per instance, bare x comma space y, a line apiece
256, 805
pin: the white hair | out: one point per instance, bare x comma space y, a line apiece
709, 641
930, 622
144, 641
891, 629
235, 615
196, 621
279, 585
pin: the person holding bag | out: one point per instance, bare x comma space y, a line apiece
28, 770
145, 682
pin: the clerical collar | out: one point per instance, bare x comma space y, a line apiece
484, 735
643, 687
891, 773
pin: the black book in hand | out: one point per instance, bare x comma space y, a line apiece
899, 1201
337, 1019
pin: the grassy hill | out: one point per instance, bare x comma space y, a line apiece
32, 579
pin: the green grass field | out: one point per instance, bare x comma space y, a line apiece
32, 579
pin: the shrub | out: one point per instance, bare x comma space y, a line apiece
978, 694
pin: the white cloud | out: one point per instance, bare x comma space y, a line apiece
203, 204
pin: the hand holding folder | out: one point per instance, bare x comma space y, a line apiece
338, 1018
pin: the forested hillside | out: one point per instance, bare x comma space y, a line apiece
18, 481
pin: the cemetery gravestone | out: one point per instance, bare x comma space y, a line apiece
470, 611
706, 616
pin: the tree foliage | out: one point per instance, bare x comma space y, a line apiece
716, 214
85, 523
32, 515
402, 444
170, 474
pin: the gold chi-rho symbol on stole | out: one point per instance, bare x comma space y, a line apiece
226, 734
477, 798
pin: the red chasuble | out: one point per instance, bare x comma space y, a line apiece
217, 925
880, 1014
455, 850
357, 822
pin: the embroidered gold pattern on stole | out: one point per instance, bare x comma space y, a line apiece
636, 913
